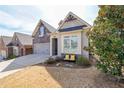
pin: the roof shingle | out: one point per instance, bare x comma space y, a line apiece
6, 39
24, 38
49, 27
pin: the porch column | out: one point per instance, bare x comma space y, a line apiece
59, 45
50, 45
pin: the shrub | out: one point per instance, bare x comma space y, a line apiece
50, 61
82, 61
11, 56
58, 59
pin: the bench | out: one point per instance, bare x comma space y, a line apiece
70, 57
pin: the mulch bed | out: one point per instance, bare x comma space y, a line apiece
64, 64
68, 64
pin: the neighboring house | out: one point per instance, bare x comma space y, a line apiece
41, 38
70, 37
4, 41
20, 45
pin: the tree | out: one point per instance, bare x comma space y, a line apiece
107, 39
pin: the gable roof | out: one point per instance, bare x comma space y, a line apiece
48, 26
75, 16
6, 39
24, 38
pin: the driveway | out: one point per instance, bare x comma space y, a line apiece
14, 65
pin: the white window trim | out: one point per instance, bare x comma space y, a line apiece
70, 45
69, 42
72, 39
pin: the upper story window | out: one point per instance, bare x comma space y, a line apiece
42, 30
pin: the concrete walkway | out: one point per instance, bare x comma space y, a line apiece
14, 65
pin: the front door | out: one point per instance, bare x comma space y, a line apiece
10, 51
54, 46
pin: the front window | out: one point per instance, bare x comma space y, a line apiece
42, 29
74, 42
70, 43
66, 42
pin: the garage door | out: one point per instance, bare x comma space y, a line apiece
42, 48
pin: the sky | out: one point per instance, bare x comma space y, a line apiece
24, 18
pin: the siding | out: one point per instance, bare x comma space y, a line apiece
71, 24
84, 43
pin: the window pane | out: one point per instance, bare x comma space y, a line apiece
41, 31
66, 43
70, 43
74, 42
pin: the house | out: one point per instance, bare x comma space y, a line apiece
4, 41
41, 38
20, 45
70, 37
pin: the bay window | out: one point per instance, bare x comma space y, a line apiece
70, 43
66, 42
74, 42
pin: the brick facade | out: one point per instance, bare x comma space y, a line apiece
44, 39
